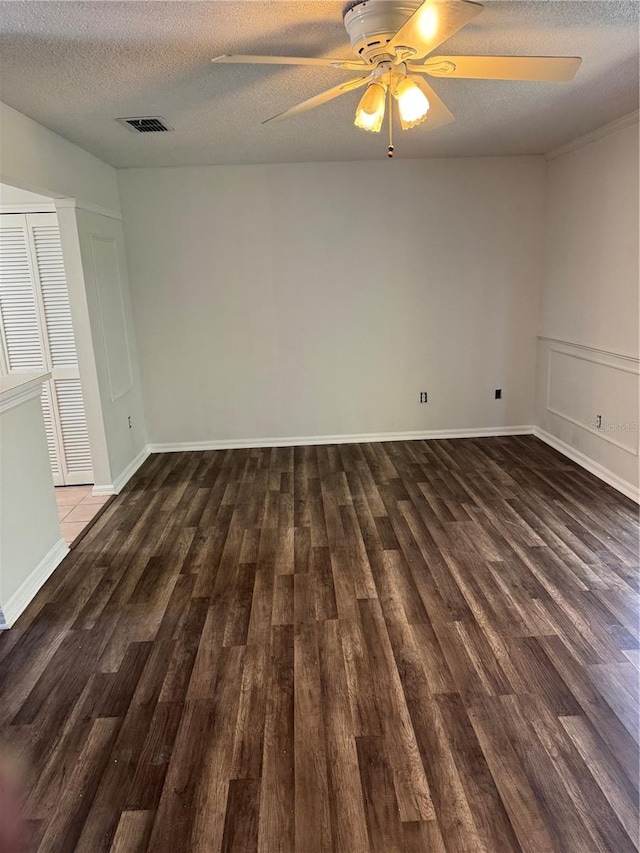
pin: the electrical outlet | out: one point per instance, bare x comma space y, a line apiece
498, 393
598, 421
423, 396
129, 421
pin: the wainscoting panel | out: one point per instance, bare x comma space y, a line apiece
582, 387
588, 399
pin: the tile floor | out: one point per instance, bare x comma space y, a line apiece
76, 508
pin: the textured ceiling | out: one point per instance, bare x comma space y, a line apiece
76, 66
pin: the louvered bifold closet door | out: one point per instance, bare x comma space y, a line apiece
60, 349
22, 343
21, 337
37, 334
53, 434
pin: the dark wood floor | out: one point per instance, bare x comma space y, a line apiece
420, 646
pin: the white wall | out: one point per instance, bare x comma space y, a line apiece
36, 159
588, 354
15, 196
320, 299
100, 302
29, 528
114, 340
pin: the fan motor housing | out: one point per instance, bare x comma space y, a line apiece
372, 24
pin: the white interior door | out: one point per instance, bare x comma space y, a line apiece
37, 334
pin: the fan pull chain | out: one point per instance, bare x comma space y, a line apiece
390, 111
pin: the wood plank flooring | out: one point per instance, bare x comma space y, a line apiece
413, 646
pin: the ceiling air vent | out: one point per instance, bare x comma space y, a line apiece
146, 124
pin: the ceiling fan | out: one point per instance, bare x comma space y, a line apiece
393, 41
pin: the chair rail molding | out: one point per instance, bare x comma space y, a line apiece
614, 353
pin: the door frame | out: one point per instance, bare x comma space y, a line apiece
65, 208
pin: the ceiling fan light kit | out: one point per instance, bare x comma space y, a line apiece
391, 39
370, 111
413, 104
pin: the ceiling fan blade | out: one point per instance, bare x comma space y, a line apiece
322, 98
431, 24
238, 59
552, 69
439, 114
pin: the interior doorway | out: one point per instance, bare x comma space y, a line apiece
36, 336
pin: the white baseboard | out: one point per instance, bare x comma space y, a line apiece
297, 441
13, 607
487, 432
122, 479
627, 489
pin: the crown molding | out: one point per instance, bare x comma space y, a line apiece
62, 203
593, 136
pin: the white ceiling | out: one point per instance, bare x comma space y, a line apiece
77, 66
